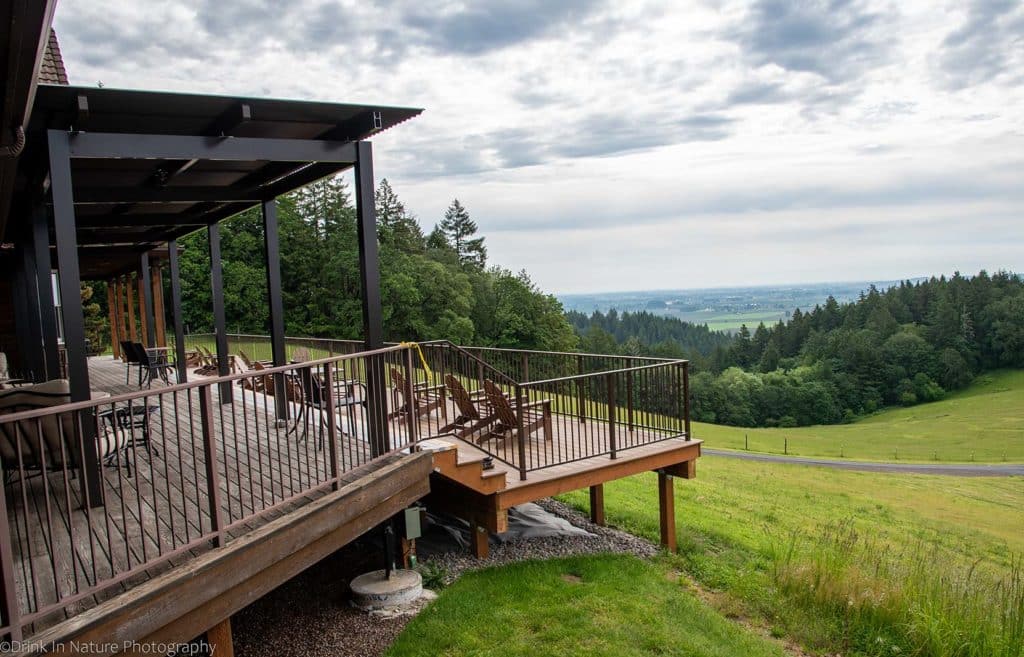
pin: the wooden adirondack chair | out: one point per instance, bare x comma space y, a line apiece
536, 415
425, 397
470, 419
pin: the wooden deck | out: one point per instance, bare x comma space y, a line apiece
161, 510
159, 517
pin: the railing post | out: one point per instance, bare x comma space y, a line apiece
580, 407
410, 403
686, 398
611, 415
9, 599
525, 366
629, 393
332, 430
521, 431
210, 456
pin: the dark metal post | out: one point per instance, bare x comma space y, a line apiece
332, 420
44, 283
369, 278
10, 611
34, 355
219, 322
146, 285
71, 301
210, 456
272, 256
686, 399
521, 431
611, 416
179, 322
19, 295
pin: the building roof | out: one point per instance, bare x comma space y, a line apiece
138, 200
51, 70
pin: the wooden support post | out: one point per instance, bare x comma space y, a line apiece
219, 638
130, 308
112, 310
179, 329
140, 288
479, 540
667, 511
160, 314
597, 504
122, 314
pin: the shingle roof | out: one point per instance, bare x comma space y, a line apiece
52, 70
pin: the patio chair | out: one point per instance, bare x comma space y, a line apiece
211, 364
470, 419
131, 359
152, 364
49, 443
312, 393
425, 397
535, 415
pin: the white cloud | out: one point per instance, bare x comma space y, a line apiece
648, 144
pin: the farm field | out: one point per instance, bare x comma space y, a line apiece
983, 423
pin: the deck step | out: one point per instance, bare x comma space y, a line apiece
469, 472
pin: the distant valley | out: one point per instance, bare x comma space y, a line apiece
724, 308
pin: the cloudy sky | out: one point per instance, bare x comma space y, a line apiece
636, 145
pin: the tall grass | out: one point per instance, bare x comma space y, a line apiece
914, 600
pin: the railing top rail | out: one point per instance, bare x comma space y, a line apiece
593, 375
572, 353
230, 378
497, 374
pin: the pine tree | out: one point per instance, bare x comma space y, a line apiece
394, 224
459, 230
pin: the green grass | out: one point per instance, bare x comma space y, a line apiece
860, 563
614, 605
983, 423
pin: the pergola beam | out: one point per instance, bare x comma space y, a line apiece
107, 145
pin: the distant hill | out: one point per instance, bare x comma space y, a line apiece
725, 308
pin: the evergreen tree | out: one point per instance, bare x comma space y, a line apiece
394, 224
459, 230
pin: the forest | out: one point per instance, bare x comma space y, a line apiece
432, 286
911, 343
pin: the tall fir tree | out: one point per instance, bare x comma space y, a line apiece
459, 230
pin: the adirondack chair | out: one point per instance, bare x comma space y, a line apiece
470, 419
210, 363
425, 397
536, 415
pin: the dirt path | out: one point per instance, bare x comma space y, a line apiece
953, 469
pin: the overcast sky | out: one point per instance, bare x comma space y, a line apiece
637, 145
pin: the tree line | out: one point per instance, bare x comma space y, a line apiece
909, 344
435, 286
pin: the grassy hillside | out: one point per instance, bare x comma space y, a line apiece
608, 605
851, 562
985, 422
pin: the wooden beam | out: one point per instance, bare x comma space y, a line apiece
597, 504
589, 475
112, 313
122, 315
685, 470
171, 607
667, 511
219, 638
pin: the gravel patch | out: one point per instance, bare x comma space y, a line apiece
602, 540
311, 614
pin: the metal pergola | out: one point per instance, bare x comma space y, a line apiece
107, 176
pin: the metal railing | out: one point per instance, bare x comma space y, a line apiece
593, 404
102, 494
565, 407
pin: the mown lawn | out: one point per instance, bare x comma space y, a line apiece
983, 423
861, 563
614, 606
